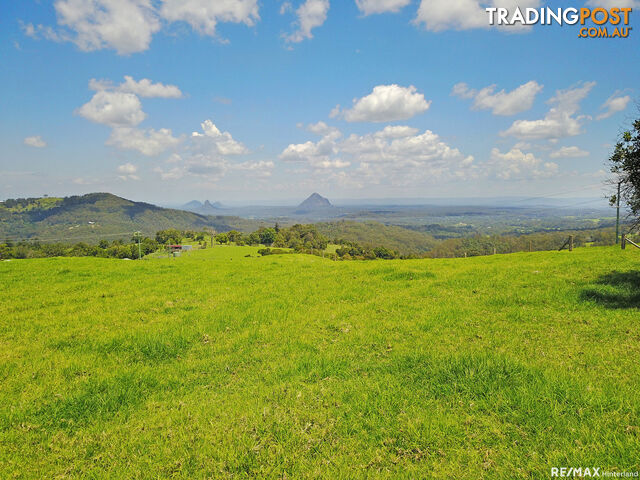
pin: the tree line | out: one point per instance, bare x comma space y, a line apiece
103, 249
305, 239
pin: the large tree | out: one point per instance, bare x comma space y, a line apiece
625, 163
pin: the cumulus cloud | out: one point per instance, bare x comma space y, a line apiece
311, 14
128, 171
213, 169
502, 102
35, 141
204, 15
128, 26
148, 142
370, 7
518, 165
386, 103
222, 142
559, 122
119, 107
614, 104
124, 25
319, 154
115, 109
439, 15
396, 154
144, 88
569, 152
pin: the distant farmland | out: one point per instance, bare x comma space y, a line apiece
223, 364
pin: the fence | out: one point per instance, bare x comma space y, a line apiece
626, 240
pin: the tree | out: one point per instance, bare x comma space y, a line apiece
222, 238
267, 236
625, 162
169, 236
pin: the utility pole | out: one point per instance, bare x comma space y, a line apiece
138, 235
618, 215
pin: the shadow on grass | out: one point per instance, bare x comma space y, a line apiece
615, 290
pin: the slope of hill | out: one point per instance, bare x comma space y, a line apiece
99, 215
400, 239
206, 208
315, 201
221, 364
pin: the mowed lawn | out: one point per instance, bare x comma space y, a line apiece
218, 365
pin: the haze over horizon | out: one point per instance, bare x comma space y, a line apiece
253, 102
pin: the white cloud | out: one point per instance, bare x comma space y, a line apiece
223, 142
569, 152
398, 131
311, 14
35, 141
115, 109
502, 102
396, 155
369, 7
204, 15
128, 26
559, 122
614, 104
518, 165
128, 171
439, 15
213, 168
148, 142
119, 107
323, 129
386, 103
144, 88
124, 25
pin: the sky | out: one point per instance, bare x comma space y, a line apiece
249, 101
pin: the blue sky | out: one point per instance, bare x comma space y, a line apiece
246, 100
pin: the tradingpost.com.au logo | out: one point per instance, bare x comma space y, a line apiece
594, 22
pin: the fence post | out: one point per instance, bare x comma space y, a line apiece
571, 243
624, 241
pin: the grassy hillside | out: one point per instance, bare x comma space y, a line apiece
370, 233
223, 364
100, 215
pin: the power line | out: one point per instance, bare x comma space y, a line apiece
585, 188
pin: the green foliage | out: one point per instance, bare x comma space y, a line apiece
218, 365
374, 234
487, 245
170, 236
29, 204
625, 163
267, 236
222, 238
104, 249
97, 215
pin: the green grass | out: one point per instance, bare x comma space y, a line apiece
219, 365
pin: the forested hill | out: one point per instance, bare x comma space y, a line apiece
371, 233
98, 215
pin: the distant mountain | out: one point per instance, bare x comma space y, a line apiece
100, 215
192, 205
315, 201
206, 208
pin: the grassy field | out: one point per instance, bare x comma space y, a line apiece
219, 365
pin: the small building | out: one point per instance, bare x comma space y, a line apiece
175, 250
